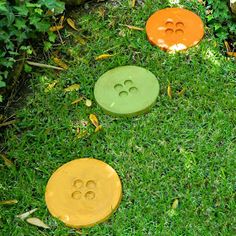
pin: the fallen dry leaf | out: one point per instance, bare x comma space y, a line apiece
73, 87
232, 54
7, 162
37, 222
84, 123
56, 28
80, 40
82, 134
169, 91
8, 202
227, 46
88, 103
71, 23
23, 216
61, 20
103, 56
78, 130
51, 86
60, 63
101, 11
181, 93
77, 101
94, 120
133, 3
134, 27
175, 204
98, 128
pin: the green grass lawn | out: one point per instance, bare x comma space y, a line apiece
184, 149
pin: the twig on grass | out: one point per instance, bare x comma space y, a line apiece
44, 65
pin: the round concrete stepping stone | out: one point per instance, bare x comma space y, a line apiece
126, 91
83, 192
174, 29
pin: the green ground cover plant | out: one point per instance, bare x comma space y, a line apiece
21, 23
220, 19
183, 149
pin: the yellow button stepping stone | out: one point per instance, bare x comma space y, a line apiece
83, 192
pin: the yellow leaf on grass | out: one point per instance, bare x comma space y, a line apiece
7, 162
88, 103
169, 91
8, 202
227, 46
60, 63
50, 86
78, 130
37, 222
71, 23
61, 20
133, 3
94, 120
23, 216
56, 28
181, 93
232, 54
77, 101
134, 27
80, 40
175, 204
98, 128
72, 88
103, 56
82, 134
101, 11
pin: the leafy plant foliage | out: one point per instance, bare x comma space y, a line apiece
19, 22
220, 19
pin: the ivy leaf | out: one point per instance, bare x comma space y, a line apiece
52, 37
22, 10
27, 68
21, 36
46, 46
10, 18
20, 23
42, 26
3, 7
34, 20
39, 11
2, 84
55, 6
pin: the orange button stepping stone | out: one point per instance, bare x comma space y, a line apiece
174, 29
83, 192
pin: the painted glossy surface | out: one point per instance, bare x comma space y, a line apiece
126, 91
83, 192
174, 29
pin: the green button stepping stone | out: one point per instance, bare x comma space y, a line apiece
126, 91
